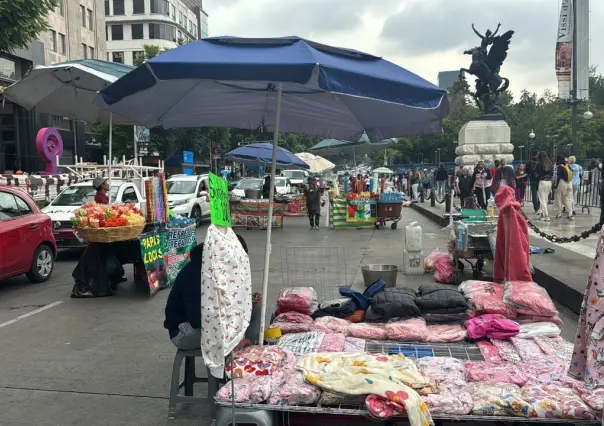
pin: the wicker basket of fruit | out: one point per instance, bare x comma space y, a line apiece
97, 223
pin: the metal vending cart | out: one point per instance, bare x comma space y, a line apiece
389, 209
472, 246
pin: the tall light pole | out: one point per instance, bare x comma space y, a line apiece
573, 93
438, 150
521, 147
569, 145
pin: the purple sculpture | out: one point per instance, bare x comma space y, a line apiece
50, 146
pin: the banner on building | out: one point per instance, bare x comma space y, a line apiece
564, 49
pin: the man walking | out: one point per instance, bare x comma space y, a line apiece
313, 203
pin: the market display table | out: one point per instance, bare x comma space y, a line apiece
253, 214
295, 205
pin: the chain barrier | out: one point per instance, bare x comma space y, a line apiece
561, 240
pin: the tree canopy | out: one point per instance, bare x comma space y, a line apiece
21, 21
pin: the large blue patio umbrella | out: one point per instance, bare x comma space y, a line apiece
284, 84
262, 153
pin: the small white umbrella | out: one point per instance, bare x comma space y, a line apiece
317, 163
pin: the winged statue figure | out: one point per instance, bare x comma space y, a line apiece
487, 60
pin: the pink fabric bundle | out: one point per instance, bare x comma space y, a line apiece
442, 369
489, 352
547, 371
592, 397
555, 401
443, 333
250, 389
507, 351
411, 330
528, 298
298, 299
528, 349
486, 298
367, 331
451, 399
292, 327
445, 269
492, 326
288, 387
482, 371
333, 342
294, 317
354, 344
331, 325
556, 347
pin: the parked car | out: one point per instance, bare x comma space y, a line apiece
188, 196
27, 243
248, 183
61, 208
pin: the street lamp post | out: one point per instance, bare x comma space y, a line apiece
555, 149
438, 160
569, 145
520, 148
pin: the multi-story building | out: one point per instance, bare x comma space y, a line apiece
77, 31
446, 79
131, 24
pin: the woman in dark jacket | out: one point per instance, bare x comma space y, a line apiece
441, 179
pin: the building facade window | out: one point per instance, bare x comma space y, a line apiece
84, 51
118, 57
107, 12
8, 69
173, 12
162, 32
83, 16
53, 40
118, 7
61, 43
117, 32
137, 32
138, 6
138, 57
60, 8
89, 19
91, 52
180, 17
160, 6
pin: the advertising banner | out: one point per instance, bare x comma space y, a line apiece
253, 214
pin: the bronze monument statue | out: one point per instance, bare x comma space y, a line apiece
486, 63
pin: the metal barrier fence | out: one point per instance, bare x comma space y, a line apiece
587, 194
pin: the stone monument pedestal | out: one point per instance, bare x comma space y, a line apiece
486, 140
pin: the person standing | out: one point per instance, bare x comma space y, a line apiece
564, 188
414, 180
441, 180
504, 176
544, 171
531, 171
494, 169
102, 188
577, 177
482, 184
313, 203
465, 183
521, 183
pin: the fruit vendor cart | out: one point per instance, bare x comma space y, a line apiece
389, 209
157, 242
361, 208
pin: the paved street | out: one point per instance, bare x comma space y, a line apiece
107, 361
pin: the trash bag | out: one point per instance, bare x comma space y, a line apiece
97, 273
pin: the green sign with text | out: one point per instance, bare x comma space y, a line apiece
220, 212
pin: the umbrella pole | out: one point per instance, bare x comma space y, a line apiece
269, 226
110, 148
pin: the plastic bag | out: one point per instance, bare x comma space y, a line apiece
486, 298
433, 258
411, 330
331, 325
298, 299
445, 269
294, 317
367, 331
545, 329
97, 273
528, 298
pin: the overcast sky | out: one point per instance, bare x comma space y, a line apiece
423, 36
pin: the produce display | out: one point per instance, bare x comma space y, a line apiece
362, 198
93, 215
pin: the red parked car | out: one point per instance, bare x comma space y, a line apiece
27, 244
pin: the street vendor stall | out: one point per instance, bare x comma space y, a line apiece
253, 214
157, 243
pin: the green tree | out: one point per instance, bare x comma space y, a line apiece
21, 21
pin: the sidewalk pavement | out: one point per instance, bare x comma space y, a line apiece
564, 272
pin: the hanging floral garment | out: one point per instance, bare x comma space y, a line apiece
587, 362
226, 296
